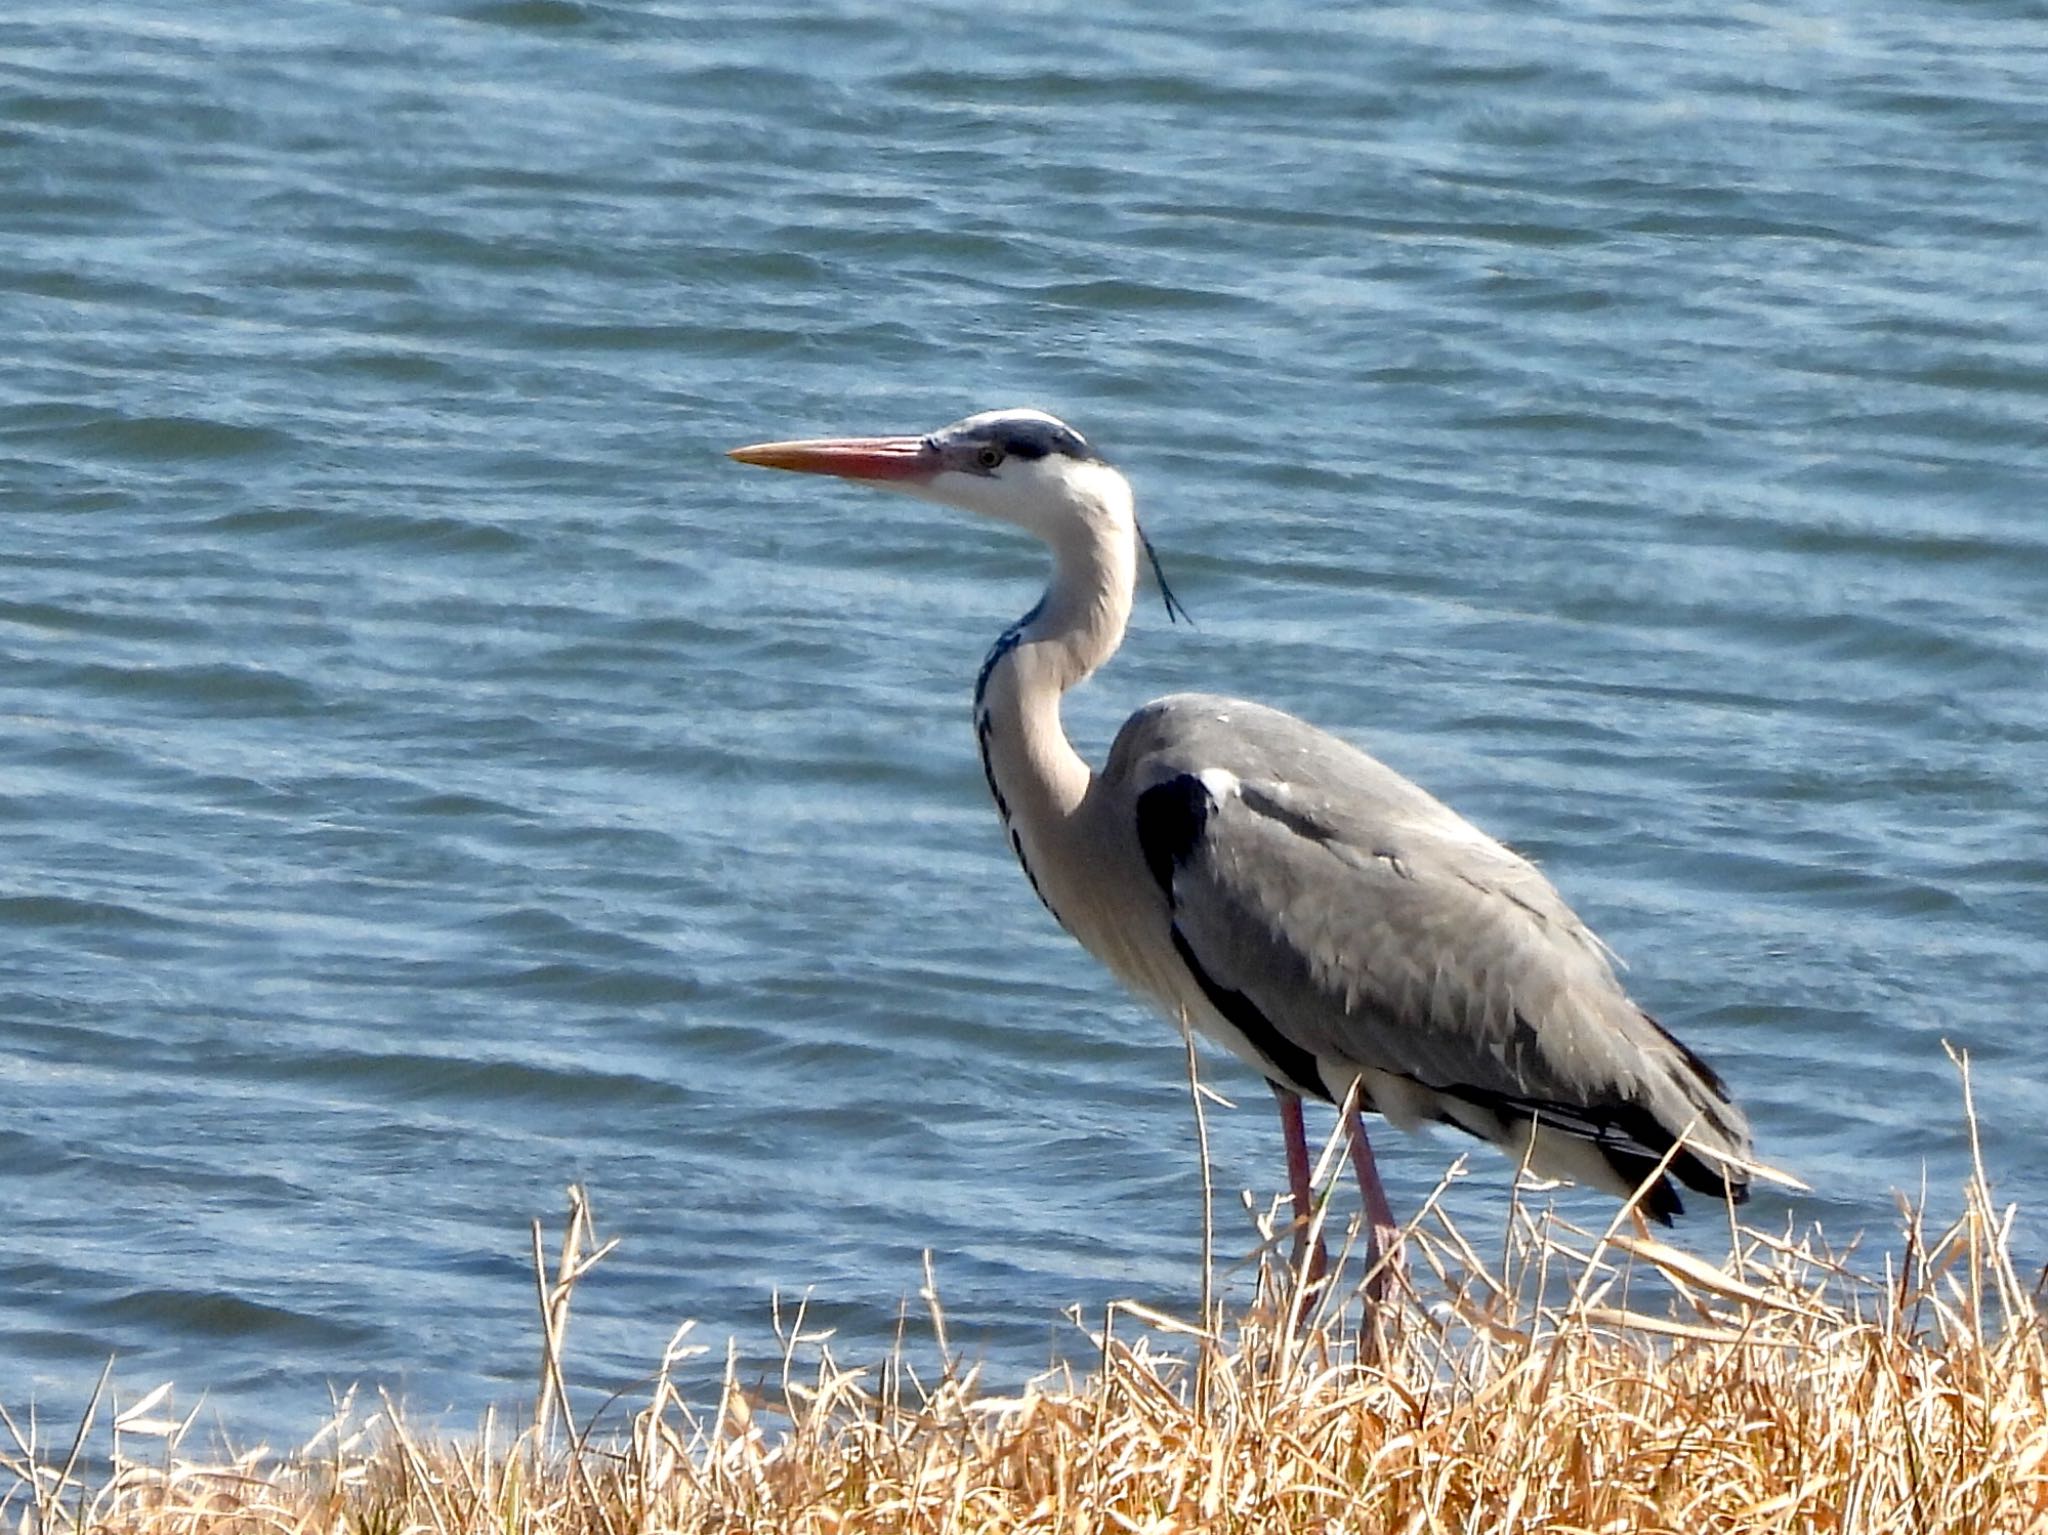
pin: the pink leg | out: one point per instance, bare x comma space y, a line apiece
1383, 1230
1297, 1180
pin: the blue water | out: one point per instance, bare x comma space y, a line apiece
430, 773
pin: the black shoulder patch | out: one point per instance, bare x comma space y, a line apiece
1171, 816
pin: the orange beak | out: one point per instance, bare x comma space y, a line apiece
851, 458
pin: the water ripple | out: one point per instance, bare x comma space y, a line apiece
432, 774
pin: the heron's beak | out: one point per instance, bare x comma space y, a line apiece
851, 458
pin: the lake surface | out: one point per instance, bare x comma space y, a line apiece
431, 774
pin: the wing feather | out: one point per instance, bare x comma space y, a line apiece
1376, 929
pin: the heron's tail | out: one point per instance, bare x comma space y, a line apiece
1692, 1126
1671, 1125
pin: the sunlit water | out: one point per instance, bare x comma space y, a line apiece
431, 774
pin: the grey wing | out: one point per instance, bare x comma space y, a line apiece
1371, 928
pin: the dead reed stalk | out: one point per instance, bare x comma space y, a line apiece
1579, 1380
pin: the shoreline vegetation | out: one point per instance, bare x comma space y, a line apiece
1579, 1380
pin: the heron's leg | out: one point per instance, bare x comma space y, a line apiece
1296, 1136
1384, 1231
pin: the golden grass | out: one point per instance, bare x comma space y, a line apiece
1579, 1381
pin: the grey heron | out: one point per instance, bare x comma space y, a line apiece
1346, 934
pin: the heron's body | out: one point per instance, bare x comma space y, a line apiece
1296, 900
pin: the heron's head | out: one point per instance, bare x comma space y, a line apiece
1020, 466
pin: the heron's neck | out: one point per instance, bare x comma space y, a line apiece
1036, 776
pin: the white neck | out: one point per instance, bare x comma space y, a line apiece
1039, 781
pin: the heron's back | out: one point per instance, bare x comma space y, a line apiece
1379, 933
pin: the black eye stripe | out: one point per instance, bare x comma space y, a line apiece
1024, 434
1035, 439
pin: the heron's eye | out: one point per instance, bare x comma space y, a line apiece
988, 455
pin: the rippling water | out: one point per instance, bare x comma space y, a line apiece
431, 774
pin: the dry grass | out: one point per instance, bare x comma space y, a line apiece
1784, 1388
